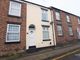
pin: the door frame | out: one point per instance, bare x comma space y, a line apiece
27, 36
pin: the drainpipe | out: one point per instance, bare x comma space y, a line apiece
53, 27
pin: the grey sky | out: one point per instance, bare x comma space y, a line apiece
72, 6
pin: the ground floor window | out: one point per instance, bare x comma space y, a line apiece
13, 33
45, 32
70, 31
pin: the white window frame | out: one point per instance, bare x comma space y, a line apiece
60, 31
68, 18
58, 17
45, 29
12, 32
44, 13
11, 9
70, 30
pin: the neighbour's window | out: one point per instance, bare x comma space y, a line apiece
45, 32
44, 15
57, 13
70, 31
13, 33
15, 8
68, 18
59, 30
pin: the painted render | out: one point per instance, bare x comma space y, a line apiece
34, 14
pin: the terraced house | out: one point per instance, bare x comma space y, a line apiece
65, 25
39, 28
25, 25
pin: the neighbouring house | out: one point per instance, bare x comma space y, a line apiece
65, 25
12, 26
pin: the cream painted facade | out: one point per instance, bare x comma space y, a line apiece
34, 16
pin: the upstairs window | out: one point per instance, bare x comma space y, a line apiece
68, 18
44, 15
57, 13
15, 8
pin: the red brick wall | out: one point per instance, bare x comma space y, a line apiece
74, 21
4, 20
65, 37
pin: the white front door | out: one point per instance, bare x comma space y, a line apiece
31, 41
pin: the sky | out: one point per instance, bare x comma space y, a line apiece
71, 6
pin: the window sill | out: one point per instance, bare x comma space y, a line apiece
14, 16
60, 35
45, 21
15, 42
58, 20
47, 40
69, 22
71, 35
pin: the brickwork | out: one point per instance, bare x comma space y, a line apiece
4, 20
73, 22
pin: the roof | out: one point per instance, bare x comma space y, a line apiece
63, 11
51, 7
36, 4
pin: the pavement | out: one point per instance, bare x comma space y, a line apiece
46, 54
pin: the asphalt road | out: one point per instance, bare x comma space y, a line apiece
75, 56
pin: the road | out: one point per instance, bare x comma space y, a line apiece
72, 57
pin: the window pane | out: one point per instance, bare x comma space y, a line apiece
45, 33
13, 36
15, 8
70, 31
13, 28
15, 12
68, 18
44, 15
57, 16
59, 30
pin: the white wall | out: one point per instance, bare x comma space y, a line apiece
34, 13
